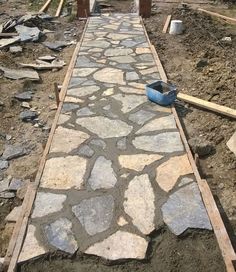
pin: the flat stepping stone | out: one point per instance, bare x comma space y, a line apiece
139, 203
83, 91
130, 102
96, 43
122, 144
60, 235
95, 214
123, 59
99, 143
141, 117
63, 118
31, 247
167, 142
57, 176
105, 127
130, 90
65, 139
83, 72
162, 123
120, 245
168, 173
184, 209
102, 175
84, 112
47, 203
117, 52
110, 75
137, 162
86, 151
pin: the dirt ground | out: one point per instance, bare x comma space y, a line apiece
31, 136
195, 251
182, 57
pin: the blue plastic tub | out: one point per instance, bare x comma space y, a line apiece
161, 93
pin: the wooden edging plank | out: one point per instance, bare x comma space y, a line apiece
59, 8
166, 24
221, 234
228, 19
44, 7
207, 105
20, 228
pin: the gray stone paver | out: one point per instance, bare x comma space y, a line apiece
117, 169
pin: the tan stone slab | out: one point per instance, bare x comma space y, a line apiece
166, 122
110, 75
139, 203
137, 85
122, 221
137, 162
132, 90
14, 214
142, 50
116, 36
63, 118
149, 71
108, 92
31, 247
65, 139
71, 99
120, 245
168, 173
64, 173
83, 72
130, 102
232, 143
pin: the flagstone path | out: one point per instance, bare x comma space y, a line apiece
117, 169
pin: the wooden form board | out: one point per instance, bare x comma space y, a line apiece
44, 7
207, 105
58, 12
228, 19
165, 28
220, 231
17, 239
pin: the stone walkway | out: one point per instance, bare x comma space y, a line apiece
117, 169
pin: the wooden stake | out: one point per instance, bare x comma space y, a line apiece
221, 234
59, 8
207, 105
228, 19
45, 6
19, 232
166, 24
56, 91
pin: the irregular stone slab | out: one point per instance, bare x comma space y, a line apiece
96, 43
84, 112
113, 52
110, 75
120, 245
121, 144
155, 107
184, 209
28, 33
16, 184
55, 45
232, 143
132, 76
28, 116
118, 37
25, 96
98, 142
47, 203
168, 172
142, 50
122, 221
97, 179
184, 181
83, 91
13, 152
65, 139
123, 59
86, 151
83, 72
95, 214
138, 85
104, 127
129, 43
130, 102
14, 214
166, 122
137, 162
141, 117
3, 164
83, 61
63, 118
108, 92
31, 247
60, 235
57, 176
131, 90
139, 203
164, 142
69, 107
71, 99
